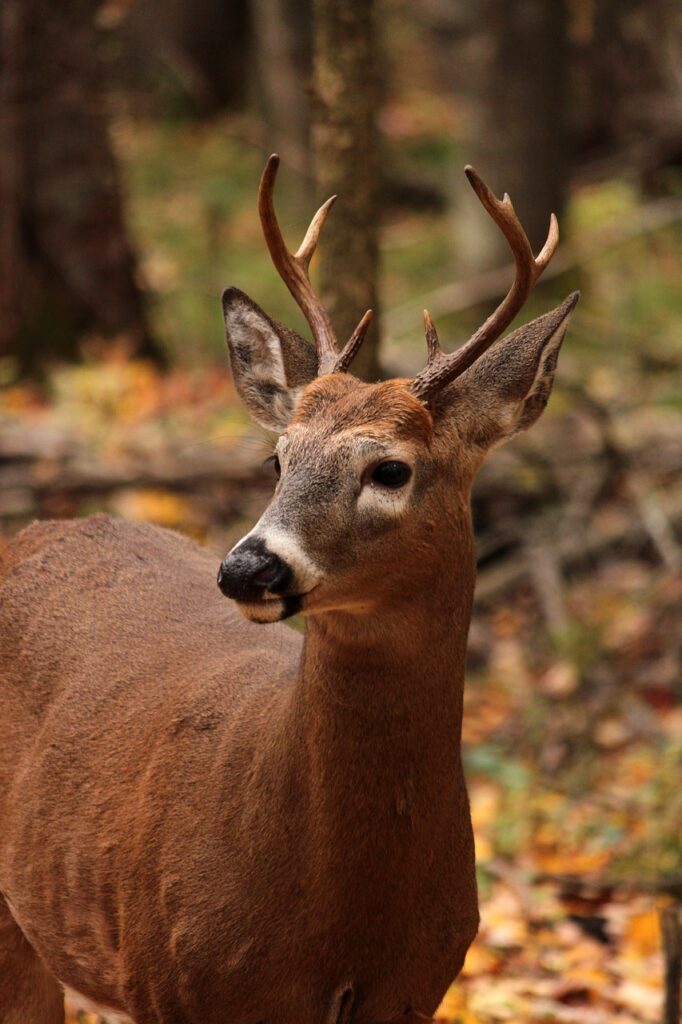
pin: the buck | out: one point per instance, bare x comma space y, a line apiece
207, 822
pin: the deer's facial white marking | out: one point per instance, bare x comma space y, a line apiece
263, 612
376, 496
352, 462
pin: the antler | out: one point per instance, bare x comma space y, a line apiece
293, 268
440, 368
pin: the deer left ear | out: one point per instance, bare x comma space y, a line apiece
270, 364
506, 390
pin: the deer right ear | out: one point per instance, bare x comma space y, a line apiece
270, 364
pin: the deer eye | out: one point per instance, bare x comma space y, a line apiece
391, 474
273, 460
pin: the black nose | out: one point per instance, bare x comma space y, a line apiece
250, 570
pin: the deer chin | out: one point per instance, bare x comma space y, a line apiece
270, 609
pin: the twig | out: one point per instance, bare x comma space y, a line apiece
571, 551
545, 573
653, 517
656, 522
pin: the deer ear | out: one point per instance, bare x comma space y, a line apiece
270, 364
506, 390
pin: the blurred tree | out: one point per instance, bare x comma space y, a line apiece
283, 31
66, 265
551, 89
346, 151
511, 69
207, 45
625, 85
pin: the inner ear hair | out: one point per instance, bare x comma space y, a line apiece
271, 364
295, 355
298, 356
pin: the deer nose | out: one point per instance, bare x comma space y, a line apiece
250, 569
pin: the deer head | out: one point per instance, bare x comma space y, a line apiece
371, 508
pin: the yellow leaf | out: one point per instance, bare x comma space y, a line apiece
643, 999
454, 1009
479, 960
642, 934
484, 849
571, 862
485, 803
589, 977
453, 1004
154, 505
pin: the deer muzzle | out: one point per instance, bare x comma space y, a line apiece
251, 572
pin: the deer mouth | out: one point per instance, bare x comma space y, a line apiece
271, 607
265, 585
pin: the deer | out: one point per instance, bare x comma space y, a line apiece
203, 821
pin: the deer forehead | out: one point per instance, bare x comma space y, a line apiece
341, 404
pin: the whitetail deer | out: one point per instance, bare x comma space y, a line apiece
205, 822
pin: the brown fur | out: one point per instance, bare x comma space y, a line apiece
206, 821
388, 411
188, 837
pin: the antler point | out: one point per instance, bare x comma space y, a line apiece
293, 267
433, 348
441, 369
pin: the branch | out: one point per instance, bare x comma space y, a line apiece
573, 551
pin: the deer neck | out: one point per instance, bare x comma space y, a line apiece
394, 662
379, 697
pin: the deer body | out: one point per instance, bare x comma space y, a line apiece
202, 821
282, 826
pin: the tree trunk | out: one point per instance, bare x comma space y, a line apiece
65, 261
512, 70
11, 169
345, 142
626, 81
207, 46
284, 61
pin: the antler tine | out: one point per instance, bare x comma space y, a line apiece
549, 248
441, 369
293, 268
433, 348
352, 346
307, 248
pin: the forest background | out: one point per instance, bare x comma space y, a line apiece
133, 134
